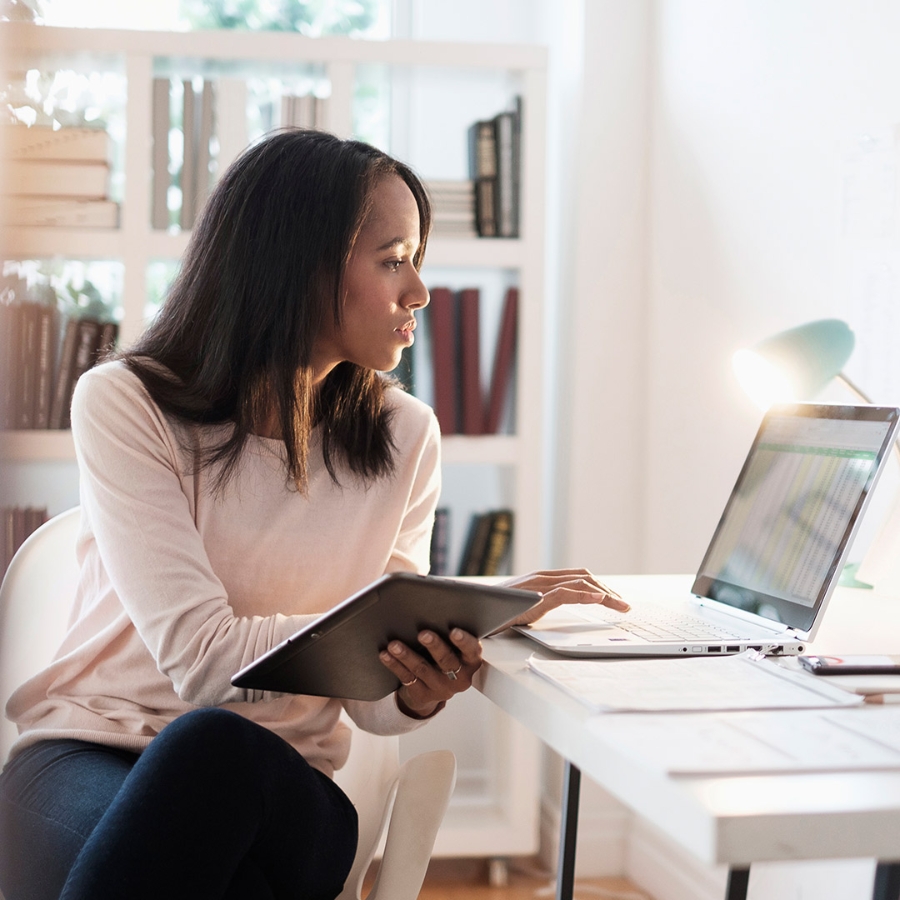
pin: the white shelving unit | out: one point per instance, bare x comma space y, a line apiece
496, 808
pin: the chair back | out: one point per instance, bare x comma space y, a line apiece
35, 600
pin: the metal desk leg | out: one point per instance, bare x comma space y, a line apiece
738, 879
887, 881
565, 878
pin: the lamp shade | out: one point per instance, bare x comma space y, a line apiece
795, 364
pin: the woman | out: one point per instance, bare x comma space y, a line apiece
244, 467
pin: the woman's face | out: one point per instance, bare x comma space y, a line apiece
382, 289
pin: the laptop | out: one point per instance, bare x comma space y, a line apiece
775, 556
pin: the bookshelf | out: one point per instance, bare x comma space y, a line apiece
495, 816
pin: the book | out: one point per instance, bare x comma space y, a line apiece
27, 373
159, 215
442, 315
504, 362
8, 344
471, 402
440, 542
43, 142
499, 542
62, 383
62, 212
53, 178
47, 337
483, 172
472, 560
206, 120
506, 202
190, 133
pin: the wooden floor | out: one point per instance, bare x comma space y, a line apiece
470, 880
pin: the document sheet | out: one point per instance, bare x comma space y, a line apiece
744, 681
864, 738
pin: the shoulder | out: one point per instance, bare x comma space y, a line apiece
410, 415
111, 395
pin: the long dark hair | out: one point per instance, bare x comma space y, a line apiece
261, 277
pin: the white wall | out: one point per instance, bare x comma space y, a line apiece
759, 112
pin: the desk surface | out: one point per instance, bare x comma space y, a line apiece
732, 820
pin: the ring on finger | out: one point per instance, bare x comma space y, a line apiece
409, 683
451, 673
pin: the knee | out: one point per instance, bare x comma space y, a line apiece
212, 736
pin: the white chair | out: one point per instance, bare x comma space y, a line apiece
410, 799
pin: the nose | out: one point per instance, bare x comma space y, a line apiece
416, 296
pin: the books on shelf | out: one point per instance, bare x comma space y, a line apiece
454, 324
16, 524
38, 370
198, 127
304, 110
495, 168
487, 547
57, 178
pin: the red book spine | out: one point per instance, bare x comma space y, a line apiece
504, 361
443, 320
471, 402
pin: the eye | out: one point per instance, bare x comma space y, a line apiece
394, 264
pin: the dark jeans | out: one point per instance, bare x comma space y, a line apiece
215, 807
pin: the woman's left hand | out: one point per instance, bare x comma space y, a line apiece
559, 586
427, 683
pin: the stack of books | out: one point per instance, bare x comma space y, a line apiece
57, 177
453, 207
495, 166
488, 543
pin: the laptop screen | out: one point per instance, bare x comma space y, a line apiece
786, 529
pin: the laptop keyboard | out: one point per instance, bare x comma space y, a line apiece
665, 626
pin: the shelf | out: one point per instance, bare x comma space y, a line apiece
36, 445
488, 449
29, 241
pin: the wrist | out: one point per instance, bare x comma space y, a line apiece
425, 713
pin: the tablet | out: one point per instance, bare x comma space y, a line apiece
337, 654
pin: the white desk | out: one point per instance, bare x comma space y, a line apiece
730, 820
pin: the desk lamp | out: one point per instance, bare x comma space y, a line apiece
795, 365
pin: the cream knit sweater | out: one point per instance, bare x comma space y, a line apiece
181, 588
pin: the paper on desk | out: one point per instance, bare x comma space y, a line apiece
748, 743
745, 681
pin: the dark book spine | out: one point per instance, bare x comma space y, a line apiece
46, 353
471, 399
506, 127
106, 344
28, 365
65, 371
504, 362
483, 172
9, 340
443, 322
87, 338
440, 542
498, 543
476, 545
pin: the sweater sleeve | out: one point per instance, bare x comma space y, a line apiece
133, 495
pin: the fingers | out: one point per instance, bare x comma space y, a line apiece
569, 586
436, 673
